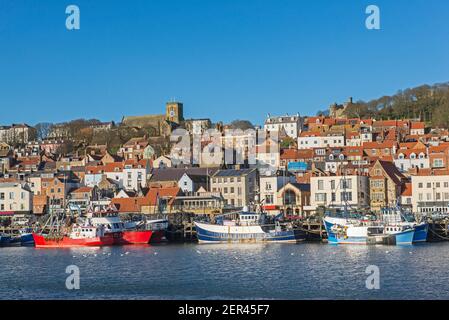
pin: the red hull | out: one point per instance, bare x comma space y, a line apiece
66, 242
133, 237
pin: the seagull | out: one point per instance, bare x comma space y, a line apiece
84, 256
198, 251
387, 251
121, 255
74, 256
95, 255
155, 253
127, 252
292, 254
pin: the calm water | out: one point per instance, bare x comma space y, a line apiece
191, 271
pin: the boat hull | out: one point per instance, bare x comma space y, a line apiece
133, 237
400, 238
207, 233
421, 231
66, 242
404, 237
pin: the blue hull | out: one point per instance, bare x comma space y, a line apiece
405, 237
27, 239
421, 233
402, 238
333, 238
5, 240
204, 235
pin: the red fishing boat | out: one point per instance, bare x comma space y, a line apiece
80, 236
122, 235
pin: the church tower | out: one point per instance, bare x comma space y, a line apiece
174, 112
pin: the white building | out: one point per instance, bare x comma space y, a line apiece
430, 193
135, 174
409, 159
338, 191
292, 125
15, 198
270, 185
309, 140
162, 162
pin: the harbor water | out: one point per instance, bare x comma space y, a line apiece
253, 271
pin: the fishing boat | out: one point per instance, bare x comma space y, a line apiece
80, 236
121, 234
367, 232
26, 236
396, 217
4, 239
248, 227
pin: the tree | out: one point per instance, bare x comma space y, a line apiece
241, 124
43, 129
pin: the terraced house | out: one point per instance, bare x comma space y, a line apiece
386, 183
238, 187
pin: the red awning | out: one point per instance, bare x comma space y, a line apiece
6, 213
270, 207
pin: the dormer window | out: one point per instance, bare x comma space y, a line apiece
401, 156
413, 156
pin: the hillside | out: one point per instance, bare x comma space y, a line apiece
430, 103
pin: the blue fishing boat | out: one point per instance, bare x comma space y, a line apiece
26, 237
397, 217
246, 228
5, 239
362, 232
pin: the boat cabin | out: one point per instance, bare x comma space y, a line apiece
83, 232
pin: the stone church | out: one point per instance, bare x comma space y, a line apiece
162, 124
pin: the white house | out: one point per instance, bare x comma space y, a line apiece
308, 140
411, 158
430, 192
338, 191
269, 187
191, 183
417, 128
290, 124
135, 174
15, 198
162, 162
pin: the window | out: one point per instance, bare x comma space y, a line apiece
2, 196
346, 196
438, 163
320, 185
320, 197
11, 195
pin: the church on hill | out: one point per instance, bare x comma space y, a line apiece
162, 124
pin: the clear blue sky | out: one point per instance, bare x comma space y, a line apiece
225, 59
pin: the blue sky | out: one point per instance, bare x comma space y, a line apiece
225, 59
